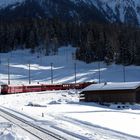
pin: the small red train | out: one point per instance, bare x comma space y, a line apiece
11, 89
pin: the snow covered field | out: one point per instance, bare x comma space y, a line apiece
62, 110
63, 68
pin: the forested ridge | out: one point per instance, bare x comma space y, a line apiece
94, 41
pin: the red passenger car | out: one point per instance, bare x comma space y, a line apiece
7, 89
11, 89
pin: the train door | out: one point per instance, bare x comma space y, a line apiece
4, 89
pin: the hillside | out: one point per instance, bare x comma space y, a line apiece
125, 11
94, 28
63, 68
121, 11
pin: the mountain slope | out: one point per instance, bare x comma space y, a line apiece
125, 11
5, 3
64, 10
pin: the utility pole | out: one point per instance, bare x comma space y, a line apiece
0, 59
124, 63
124, 74
8, 72
29, 73
51, 73
75, 69
0, 65
99, 72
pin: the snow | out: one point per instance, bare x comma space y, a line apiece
110, 6
61, 111
6, 132
5, 3
105, 6
8, 135
63, 69
110, 86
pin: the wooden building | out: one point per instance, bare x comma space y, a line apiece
128, 92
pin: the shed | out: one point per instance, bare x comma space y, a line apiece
128, 92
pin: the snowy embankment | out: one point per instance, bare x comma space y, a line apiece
62, 110
8, 135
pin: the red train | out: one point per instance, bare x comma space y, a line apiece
11, 89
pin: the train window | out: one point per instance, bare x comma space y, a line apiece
33, 86
18, 87
4, 86
66, 85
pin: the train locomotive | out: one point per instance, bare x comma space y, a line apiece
12, 89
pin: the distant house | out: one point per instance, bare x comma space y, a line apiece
112, 92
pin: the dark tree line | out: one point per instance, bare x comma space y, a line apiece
110, 43
94, 41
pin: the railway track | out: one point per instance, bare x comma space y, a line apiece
36, 131
100, 131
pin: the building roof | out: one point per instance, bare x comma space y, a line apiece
113, 86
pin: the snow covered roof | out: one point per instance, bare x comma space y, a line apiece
113, 86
